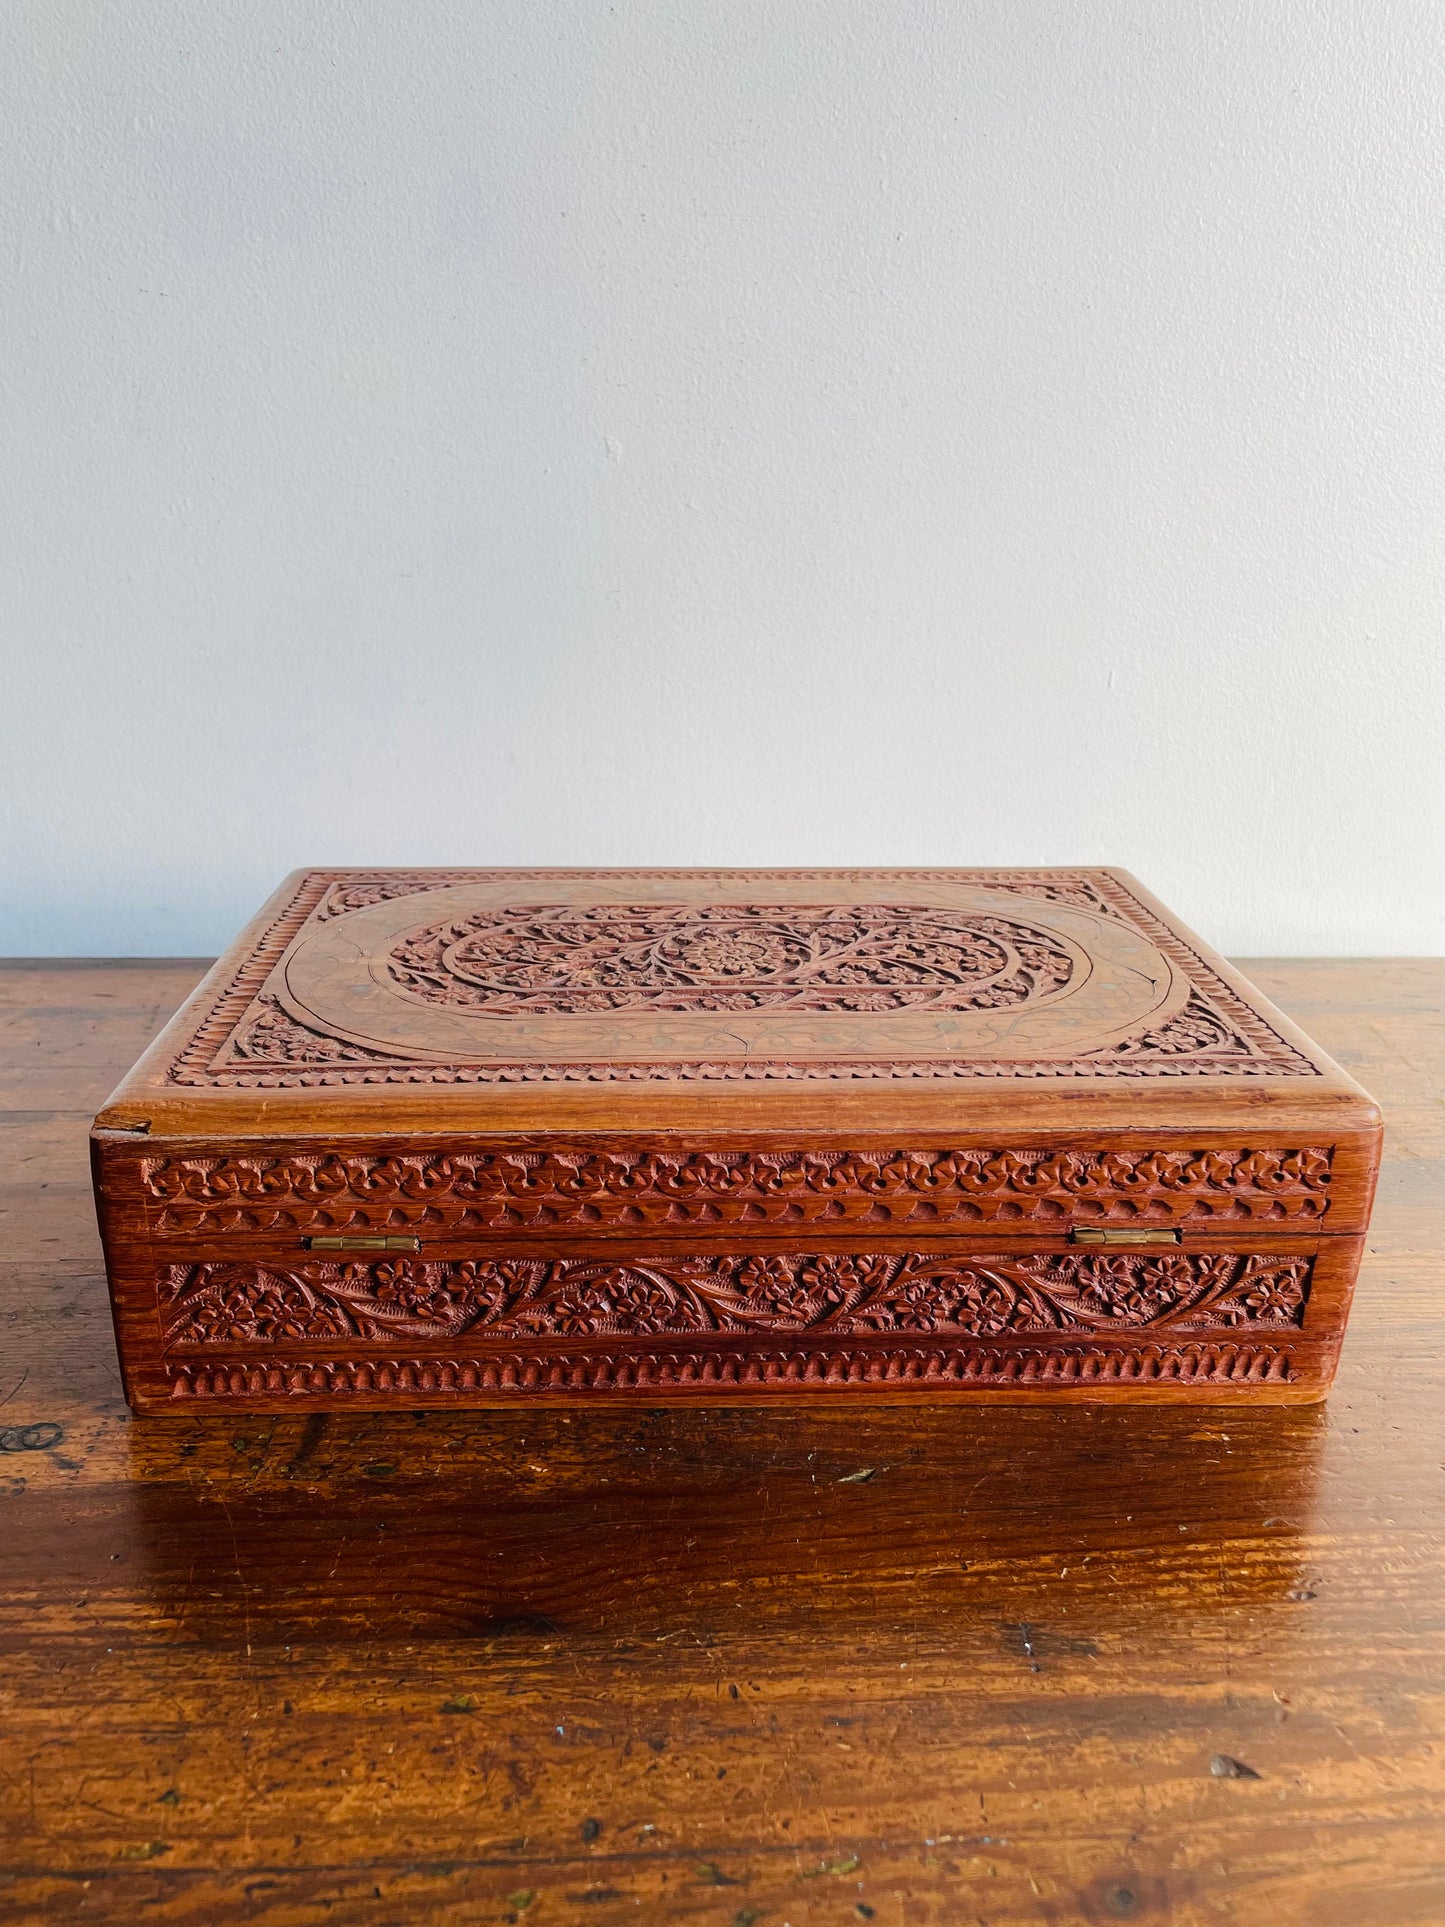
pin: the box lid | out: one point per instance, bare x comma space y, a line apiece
745, 1001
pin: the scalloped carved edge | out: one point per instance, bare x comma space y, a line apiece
537, 1373
1253, 1047
513, 1187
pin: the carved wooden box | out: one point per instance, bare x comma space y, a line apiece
480, 1137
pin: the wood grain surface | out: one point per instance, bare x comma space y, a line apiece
742, 1667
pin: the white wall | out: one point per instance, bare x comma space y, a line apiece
563, 431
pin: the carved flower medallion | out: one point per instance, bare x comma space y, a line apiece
743, 957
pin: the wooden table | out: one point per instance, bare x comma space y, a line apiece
734, 1667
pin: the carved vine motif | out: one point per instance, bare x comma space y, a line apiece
1197, 1032
250, 1042
807, 957
272, 1036
223, 1303
569, 1186
655, 1371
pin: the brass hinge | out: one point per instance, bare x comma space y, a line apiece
362, 1244
1088, 1236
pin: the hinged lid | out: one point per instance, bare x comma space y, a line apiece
737, 1001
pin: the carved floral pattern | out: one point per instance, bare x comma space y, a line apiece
226, 1303
249, 1041
741, 957
271, 1036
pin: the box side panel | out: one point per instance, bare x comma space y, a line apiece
422, 1272
729, 1316
483, 1370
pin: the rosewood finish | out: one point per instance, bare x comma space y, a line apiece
619, 1133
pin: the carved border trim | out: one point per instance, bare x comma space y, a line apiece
1270, 1054
524, 1373
525, 1187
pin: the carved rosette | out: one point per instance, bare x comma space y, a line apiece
522, 1187
224, 1304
